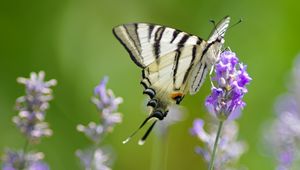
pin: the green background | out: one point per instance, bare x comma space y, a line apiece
72, 42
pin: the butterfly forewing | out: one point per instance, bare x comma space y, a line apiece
209, 56
219, 30
147, 42
198, 76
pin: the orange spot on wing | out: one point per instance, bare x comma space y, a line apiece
176, 95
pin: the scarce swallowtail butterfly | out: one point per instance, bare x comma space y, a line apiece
173, 62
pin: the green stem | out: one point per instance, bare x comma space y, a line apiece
23, 164
211, 164
160, 152
166, 151
156, 154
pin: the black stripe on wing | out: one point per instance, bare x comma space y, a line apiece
130, 51
186, 75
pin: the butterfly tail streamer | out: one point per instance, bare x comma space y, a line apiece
152, 115
143, 139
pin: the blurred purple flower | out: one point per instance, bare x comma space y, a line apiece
107, 104
230, 149
93, 159
176, 114
32, 107
93, 131
225, 99
282, 135
13, 160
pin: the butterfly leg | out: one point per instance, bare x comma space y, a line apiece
210, 73
227, 49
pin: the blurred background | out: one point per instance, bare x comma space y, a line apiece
72, 41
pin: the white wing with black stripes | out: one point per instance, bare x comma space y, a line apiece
173, 62
146, 42
210, 55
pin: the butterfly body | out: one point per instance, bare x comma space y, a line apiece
173, 62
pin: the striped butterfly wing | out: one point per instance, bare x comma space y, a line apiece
209, 56
167, 78
166, 55
147, 42
220, 29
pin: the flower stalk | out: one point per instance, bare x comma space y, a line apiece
211, 165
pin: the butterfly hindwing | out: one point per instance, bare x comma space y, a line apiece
169, 74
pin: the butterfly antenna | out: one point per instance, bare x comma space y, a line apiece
143, 139
238, 22
215, 25
213, 22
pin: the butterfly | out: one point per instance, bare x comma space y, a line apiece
173, 62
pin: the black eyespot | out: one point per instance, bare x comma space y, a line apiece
152, 103
150, 92
158, 114
178, 99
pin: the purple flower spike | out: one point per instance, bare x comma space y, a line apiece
93, 131
32, 107
282, 135
107, 104
95, 158
14, 160
105, 99
231, 78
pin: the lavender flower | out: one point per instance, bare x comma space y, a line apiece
30, 120
230, 149
107, 104
32, 107
283, 133
13, 160
94, 159
93, 131
232, 78
224, 102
